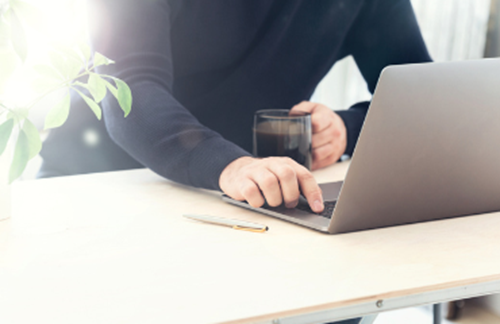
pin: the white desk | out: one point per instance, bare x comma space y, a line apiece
113, 248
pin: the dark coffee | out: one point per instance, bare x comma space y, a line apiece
284, 138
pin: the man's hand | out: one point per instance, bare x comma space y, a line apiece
329, 135
274, 179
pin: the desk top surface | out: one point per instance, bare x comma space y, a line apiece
114, 248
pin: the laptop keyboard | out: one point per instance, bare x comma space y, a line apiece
327, 212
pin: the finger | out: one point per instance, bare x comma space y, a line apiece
323, 152
288, 182
322, 138
321, 118
251, 193
305, 106
310, 188
325, 162
269, 185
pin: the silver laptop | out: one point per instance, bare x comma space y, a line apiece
429, 149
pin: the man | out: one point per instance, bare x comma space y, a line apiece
199, 70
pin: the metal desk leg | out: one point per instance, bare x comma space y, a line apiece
436, 309
368, 319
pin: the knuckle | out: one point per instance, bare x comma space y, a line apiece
307, 176
268, 181
246, 174
247, 170
249, 191
286, 173
267, 160
333, 158
301, 170
336, 133
288, 160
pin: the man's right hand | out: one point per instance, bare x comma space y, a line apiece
273, 180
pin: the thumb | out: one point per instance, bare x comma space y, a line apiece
305, 106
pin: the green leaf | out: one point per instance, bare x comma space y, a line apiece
59, 113
92, 104
73, 68
18, 36
100, 59
34, 141
47, 71
124, 96
111, 88
5, 132
21, 157
97, 87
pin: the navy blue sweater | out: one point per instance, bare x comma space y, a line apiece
199, 70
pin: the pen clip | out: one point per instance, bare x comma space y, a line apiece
262, 230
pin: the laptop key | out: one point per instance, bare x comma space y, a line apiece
327, 212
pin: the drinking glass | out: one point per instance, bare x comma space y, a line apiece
282, 132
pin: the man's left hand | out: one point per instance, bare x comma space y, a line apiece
329, 135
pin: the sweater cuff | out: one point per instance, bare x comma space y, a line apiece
353, 120
209, 159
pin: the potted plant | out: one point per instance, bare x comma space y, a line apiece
37, 72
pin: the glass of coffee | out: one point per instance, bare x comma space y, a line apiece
281, 132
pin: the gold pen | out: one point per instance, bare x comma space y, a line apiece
233, 223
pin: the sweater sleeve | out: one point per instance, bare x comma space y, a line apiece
159, 132
385, 33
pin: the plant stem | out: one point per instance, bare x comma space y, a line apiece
10, 110
7, 108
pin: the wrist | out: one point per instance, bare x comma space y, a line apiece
231, 170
